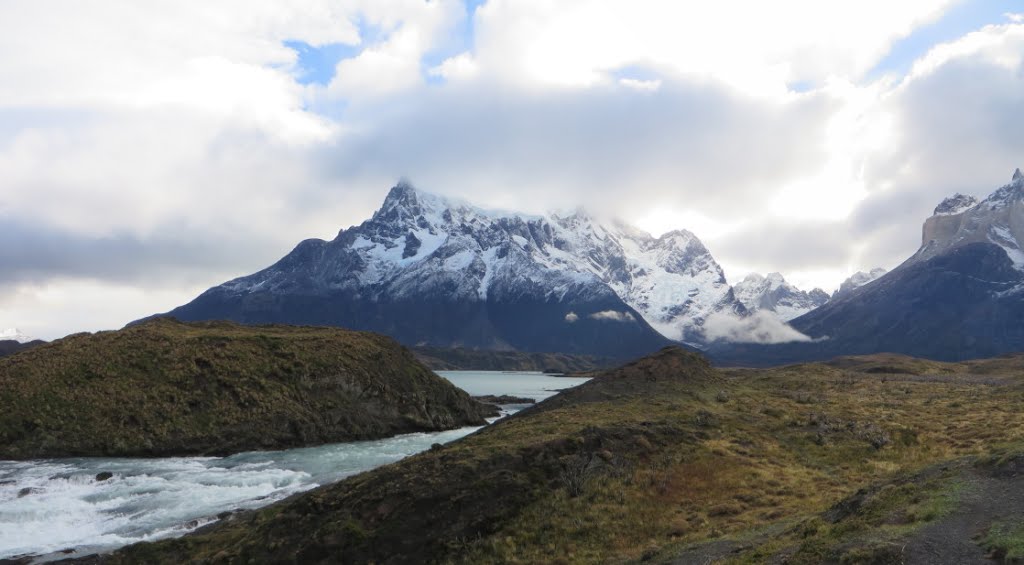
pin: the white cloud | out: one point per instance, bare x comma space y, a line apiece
758, 47
572, 317
393, 65
612, 316
61, 306
461, 66
133, 122
759, 327
647, 85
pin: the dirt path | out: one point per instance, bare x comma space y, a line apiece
953, 540
984, 500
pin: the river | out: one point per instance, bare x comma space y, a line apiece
51, 506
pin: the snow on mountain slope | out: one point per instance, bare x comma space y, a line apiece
420, 244
774, 294
857, 280
13, 334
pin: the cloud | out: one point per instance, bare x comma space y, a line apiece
393, 65
684, 145
759, 327
571, 317
612, 316
753, 46
183, 143
958, 128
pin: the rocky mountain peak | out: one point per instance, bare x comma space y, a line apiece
995, 220
955, 204
401, 203
774, 294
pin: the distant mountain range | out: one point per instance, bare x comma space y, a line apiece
960, 296
437, 272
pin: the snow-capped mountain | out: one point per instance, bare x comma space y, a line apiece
961, 220
774, 294
431, 270
14, 334
960, 296
857, 280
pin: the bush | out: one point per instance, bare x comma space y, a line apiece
577, 472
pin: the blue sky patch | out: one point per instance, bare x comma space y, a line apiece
316, 64
961, 19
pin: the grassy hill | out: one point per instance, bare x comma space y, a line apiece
881, 459
169, 388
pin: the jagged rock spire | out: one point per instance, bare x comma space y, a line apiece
1017, 175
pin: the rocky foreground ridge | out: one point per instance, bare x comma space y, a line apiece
169, 388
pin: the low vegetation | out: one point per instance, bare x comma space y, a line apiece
880, 459
168, 388
455, 359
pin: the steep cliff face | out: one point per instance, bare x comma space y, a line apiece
439, 272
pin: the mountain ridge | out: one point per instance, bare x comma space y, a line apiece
433, 271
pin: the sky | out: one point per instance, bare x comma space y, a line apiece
150, 149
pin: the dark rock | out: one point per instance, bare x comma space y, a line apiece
503, 399
28, 490
104, 475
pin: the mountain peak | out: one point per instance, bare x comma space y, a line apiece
1017, 176
955, 204
403, 191
403, 203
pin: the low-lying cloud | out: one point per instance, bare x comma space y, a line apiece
612, 316
759, 327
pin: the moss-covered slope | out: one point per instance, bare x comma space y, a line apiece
164, 387
669, 460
